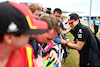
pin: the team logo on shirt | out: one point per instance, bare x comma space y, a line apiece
80, 33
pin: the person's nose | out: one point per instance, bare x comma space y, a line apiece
57, 18
37, 17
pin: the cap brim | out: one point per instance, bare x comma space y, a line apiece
40, 24
36, 26
41, 27
35, 31
70, 21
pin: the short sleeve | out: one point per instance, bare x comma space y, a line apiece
83, 34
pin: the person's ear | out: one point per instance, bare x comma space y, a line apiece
7, 39
77, 20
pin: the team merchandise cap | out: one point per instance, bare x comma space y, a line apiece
72, 17
16, 18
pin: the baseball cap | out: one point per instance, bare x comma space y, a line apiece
72, 17
16, 18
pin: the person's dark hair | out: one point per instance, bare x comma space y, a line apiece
2, 35
48, 10
52, 22
57, 10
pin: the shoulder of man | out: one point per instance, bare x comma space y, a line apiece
83, 33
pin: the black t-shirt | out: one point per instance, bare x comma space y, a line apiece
83, 33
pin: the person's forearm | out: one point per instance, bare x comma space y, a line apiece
73, 46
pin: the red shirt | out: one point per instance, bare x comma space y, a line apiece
22, 58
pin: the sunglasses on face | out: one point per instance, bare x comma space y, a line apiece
58, 16
71, 23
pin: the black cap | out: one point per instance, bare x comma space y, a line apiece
72, 17
16, 18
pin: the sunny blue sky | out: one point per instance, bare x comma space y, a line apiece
69, 5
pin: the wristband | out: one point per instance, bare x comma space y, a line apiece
66, 43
